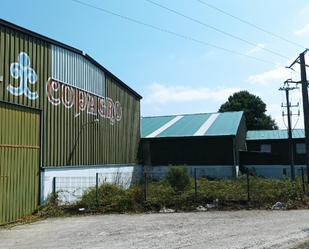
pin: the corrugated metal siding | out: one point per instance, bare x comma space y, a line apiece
98, 143
71, 140
73, 69
19, 162
124, 139
12, 43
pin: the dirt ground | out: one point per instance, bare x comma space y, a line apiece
217, 229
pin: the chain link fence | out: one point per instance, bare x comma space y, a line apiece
203, 187
70, 189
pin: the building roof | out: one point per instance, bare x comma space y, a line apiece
77, 51
274, 134
190, 125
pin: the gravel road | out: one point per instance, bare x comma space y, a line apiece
228, 230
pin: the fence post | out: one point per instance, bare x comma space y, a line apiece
145, 186
54, 187
303, 180
248, 187
97, 188
195, 185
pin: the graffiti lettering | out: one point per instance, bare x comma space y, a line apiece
21, 70
71, 97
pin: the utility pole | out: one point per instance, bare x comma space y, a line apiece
304, 87
289, 114
304, 83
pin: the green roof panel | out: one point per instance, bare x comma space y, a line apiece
150, 124
219, 124
186, 126
227, 123
274, 134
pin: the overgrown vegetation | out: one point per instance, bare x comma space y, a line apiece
177, 191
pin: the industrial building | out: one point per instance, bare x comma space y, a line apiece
209, 142
62, 113
267, 153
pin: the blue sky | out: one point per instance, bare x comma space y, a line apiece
176, 75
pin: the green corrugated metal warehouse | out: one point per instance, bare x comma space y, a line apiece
61, 113
209, 142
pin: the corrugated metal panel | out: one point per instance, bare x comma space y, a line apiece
19, 162
24, 66
79, 140
150, 124
206, 125
188, 125
223, 124
227, 123
166, 126
274, 134
73, 69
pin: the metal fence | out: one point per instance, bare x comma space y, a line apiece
248, 190
70, 189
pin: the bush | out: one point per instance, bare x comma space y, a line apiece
159, 194
51, 207
111, 198
178, 178
177, 191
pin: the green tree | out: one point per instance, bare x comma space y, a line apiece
178, 178
254, 109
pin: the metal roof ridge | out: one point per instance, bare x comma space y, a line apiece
190, 114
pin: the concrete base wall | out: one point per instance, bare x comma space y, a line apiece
71, 182
209, 171
275, 171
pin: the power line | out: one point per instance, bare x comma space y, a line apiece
250, 24
179, 35
214, 28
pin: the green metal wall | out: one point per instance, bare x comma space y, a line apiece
67, 139
11, 44
19, 164
89, 142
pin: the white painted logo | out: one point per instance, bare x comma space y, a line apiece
22, 70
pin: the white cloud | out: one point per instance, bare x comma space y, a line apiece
163, 94
275, 76
256, 49
303, 31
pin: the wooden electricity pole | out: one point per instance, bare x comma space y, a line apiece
289, 114
304, 86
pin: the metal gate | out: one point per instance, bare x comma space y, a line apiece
19, 161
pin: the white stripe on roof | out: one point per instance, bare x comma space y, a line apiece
164, 127
203, 129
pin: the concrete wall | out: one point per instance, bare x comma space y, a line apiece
275, 171
73, 181
215, 171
